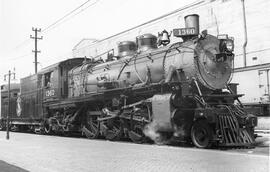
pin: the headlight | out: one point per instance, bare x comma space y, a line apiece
226, 45
229, 45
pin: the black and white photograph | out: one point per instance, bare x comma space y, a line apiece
134, 85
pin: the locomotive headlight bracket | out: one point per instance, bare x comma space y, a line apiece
229, 45
226, 43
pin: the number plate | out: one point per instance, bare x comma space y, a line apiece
49, 93
184, 32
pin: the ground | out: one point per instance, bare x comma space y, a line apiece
39, 153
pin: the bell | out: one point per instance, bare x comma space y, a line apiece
164, 38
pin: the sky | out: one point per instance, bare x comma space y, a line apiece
101, 19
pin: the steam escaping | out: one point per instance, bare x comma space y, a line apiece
153, 130
179, 131
161, 134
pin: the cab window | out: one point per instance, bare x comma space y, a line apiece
48, 79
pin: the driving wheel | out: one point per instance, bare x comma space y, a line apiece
136, 134
91, 129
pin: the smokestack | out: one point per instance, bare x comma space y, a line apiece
193, 21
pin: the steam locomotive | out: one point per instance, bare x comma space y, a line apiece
153, 90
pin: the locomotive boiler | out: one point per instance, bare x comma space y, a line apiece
152, 90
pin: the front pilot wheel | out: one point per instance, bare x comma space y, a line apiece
201, 134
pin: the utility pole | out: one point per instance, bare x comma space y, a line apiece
9, 75
36, 39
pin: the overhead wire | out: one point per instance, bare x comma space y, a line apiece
63, 19
67, 17
26, 41
16, 58
54, 25
23, 43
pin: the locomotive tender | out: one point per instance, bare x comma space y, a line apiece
152, 89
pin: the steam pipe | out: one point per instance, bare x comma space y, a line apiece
268, 84
245, 33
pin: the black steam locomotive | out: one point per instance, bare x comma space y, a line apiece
152, 89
